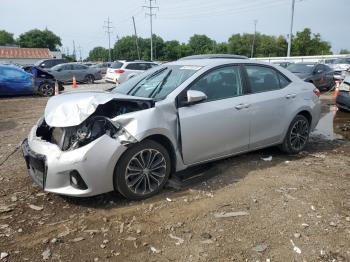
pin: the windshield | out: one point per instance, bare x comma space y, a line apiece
158, 82
301, 68
342, 61
39, 62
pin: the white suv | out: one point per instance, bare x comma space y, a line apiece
121, 71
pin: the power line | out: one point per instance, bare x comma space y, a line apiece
108, 27
150, 8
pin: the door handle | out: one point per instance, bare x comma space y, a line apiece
291, 96
241, 106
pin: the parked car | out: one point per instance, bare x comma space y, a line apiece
341, 66
16, 81
322, 76
164, 120
82, 73
102, 67
45, 82
48, 63
343, 98
121, 71
283, 64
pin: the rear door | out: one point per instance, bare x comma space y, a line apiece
271, 103
80, 72
218, 126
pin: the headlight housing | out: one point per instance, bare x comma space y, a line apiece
70, 138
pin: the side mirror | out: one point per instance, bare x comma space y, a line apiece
194, 96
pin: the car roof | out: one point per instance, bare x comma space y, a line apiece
216, 62
214, 56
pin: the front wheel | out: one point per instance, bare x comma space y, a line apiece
142, 171
297, 135
89, 79
46, 89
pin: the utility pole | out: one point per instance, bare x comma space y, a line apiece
79, 49
150, 8
291, 30
74, 51
108, 27
137, 41
252, 53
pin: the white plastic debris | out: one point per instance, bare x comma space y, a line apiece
313, 208
231, 214
295, 248
268, 159
179, 240
37, 208
168, 199
154, 250
46, 254
3, 255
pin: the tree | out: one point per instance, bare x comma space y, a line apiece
171, 50
344, 51
306, 43
6, 38
40, 39
201, 44
98, 54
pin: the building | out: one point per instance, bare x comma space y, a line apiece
25, 56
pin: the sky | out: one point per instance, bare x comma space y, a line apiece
82, 21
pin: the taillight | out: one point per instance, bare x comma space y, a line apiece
317, 92
119, 71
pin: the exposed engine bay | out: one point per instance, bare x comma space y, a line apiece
95, 126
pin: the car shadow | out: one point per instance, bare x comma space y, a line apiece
227, 171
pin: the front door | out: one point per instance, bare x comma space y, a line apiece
218, 126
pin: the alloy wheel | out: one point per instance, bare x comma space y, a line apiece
46, 90
145, 171
299, 134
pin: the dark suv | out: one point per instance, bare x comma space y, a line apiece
48, 63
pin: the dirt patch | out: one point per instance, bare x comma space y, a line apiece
296, 208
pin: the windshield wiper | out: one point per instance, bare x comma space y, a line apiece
137, 86
159, 87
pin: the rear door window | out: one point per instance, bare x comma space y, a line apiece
262, 78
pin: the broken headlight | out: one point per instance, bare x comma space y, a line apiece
90, 130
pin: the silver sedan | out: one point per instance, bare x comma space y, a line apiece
167, 119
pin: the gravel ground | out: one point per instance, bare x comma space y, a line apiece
292, 208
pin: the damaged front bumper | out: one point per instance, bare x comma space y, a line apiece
85, 171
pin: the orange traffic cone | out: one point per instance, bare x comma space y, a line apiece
75, 85
56, 88
336, 91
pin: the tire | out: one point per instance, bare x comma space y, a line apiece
132, 176
297, 135
46, 89
89, 79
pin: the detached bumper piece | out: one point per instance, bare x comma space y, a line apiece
36, 165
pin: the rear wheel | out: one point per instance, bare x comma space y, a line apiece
46, 89
142, 171
297, 135
89, 79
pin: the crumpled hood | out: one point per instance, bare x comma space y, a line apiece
73, 108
